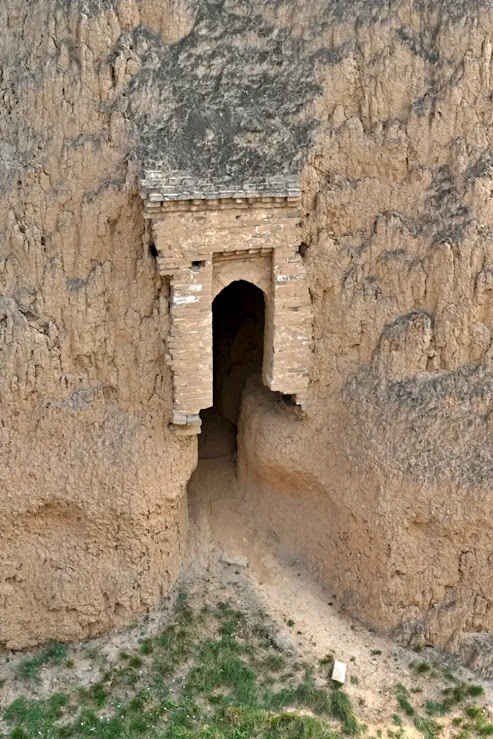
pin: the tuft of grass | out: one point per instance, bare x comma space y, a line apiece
274, 662
462, 691
53, 654
449, 675
326, 661
454, 696
402, 695
28, 669
433, 708
475, 690
182, 610
342, 710
93, 653
427, 726
474, 712
96, 694
479, 724
146, 646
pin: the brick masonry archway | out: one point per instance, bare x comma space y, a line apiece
207, 236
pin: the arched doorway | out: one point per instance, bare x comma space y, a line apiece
238, 317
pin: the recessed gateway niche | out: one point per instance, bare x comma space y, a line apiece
254, 267
208, 235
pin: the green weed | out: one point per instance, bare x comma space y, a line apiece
427, 726
210, 675
146, 647
402, 695
53, 654
433, 708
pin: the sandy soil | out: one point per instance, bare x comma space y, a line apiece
304, 617
287, 593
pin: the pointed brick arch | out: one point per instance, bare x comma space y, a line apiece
250, 266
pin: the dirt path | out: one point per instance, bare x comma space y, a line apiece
303, 619
287, 592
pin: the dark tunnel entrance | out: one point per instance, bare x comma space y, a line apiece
238, 316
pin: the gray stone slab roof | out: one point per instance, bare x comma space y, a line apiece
159, 186
228, 104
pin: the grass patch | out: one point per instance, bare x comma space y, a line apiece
274, 662
402, 695
427, 726
53, 654
146, 647
471, 724
208, 675
438, 709
478, 723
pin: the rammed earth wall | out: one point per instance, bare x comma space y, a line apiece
384, 488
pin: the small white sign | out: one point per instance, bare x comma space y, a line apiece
235, 561
339, 672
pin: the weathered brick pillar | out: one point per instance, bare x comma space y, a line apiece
292, 325
190, 343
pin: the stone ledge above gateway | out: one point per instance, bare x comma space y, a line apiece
157, 186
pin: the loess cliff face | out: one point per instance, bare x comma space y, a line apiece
386, 486
384, 489
93, 516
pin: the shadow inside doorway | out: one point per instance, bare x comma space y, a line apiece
238, 315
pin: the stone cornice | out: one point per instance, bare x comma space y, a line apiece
179, 192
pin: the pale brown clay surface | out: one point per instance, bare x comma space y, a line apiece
384, 489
